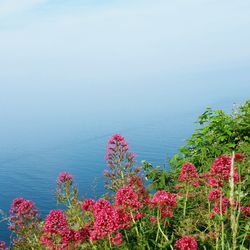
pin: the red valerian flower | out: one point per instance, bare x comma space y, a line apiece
2, 245
153, 219
214, 195
23, 216
186, 243
238, 156
88, 205
214, 182
116, 143
221, 168
220, 209
127, 198
162, 197
108, 219
82, 234
117, 240
245, 210
64, 177
137, 184
55, 222
189, 174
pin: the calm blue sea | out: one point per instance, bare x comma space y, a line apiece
45, 132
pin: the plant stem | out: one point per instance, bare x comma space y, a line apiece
232, 206
185, 203
222, 222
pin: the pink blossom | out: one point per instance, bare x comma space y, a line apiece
153, 219
23, 215
214, 195
220, 209
186, 243
64, 177
117, 240
166, 212
245, 210
164, 198
214, 182
2, 245
82, 234
238, 156
221, 168
55, 222
126, 197
88, 205
189, 174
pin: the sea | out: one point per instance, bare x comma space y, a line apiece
49, 128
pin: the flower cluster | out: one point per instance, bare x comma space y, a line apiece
127, 198
165, 201
58, 235
120, 162
64, 177
220, 171
186, 243
3, 245
23, 215
189, 174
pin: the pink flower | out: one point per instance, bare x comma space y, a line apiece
220, 209
117, 240
221, 168
2, 245
88, 205
245, 210
238, 156
100, 205
82, 234
214, 195
64, 177
117, 143
153, 219
164, 198
55, 222
186, 243
23, 215
108, 219
214, 182
189, 174
166, 212
127, 198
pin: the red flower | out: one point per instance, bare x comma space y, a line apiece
186, 243
88, 205
23, 215
64, 177
117, 240
164, 198
221, 168
127, 198
189, 174
214, 195
245, 210
238, 156
55, 222
3, 245
153, 219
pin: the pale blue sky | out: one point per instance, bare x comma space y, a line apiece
61, 61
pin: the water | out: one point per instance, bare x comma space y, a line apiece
44, 135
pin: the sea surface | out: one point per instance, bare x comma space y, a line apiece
43, 133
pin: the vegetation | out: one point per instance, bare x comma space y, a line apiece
202, 202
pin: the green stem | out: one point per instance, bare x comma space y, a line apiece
222, 222
185, 203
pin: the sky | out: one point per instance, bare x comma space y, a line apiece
61, 60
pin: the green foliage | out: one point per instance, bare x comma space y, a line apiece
220, 133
